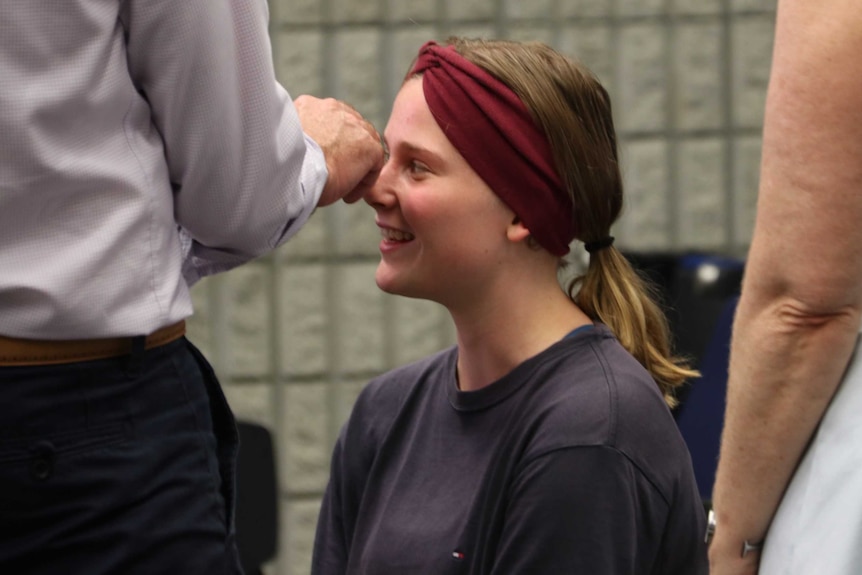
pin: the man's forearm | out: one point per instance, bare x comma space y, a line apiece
776, 397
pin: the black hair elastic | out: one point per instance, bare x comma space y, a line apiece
599, 244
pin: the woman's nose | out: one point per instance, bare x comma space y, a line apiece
382, 194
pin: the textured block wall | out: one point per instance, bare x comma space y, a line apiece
295, 335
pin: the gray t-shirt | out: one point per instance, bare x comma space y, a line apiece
571, 463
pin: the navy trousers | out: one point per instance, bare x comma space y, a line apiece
121, 466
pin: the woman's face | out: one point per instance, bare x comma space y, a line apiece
443, 228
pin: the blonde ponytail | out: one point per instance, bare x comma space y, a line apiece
612, 292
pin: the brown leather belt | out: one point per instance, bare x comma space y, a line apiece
19, 352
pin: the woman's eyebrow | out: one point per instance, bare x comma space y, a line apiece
417, 150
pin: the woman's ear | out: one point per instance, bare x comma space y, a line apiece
517, 231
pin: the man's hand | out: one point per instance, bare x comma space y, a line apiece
350, 144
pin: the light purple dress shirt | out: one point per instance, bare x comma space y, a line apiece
143, 145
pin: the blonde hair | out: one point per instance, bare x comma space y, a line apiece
574, 110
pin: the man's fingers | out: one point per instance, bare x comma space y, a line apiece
363, 187
350, 143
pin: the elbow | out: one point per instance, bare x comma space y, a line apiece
802, 301
251, 224
231, 236
805, 315
244, 241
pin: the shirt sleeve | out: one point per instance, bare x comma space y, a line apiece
244, 176
331, 545
586, 510
352, 459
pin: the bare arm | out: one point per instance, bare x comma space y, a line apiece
800, 307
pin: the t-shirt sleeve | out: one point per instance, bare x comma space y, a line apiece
352, 458
330, 540
581, 510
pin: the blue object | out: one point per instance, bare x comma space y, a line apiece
702, 416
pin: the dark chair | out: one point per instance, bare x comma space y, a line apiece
256, 498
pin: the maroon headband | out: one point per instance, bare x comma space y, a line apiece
490, 126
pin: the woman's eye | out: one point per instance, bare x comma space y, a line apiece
418, 167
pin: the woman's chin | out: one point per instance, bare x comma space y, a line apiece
386, 282
397, 285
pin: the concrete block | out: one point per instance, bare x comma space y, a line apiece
591, 45
359, 311
471, 31
519, 9
296, 11
252, 402
311, 240
531, 33
585, 8
412, 11
641, 7
297, 537
753, 5
217, 348
303, 321
702, 206
299, 62
357, 233
642, 78
747, 151
355, 10
335, 227
469, 9
685, 7
359, 76
697, 58
250, 310
645, 222
752, 59
305, 442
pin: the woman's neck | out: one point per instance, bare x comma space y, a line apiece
497, 335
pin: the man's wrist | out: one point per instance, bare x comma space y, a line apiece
748, 546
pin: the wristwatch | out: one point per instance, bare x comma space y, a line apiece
710, 527
747, 546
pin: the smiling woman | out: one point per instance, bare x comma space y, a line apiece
542, 442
